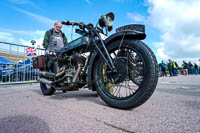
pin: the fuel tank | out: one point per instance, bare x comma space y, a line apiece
79, 44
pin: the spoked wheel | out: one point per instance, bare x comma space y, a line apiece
46, 89
135, 79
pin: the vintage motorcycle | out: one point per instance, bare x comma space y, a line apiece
121, 68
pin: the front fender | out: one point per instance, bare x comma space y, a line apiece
113, 37
128, 34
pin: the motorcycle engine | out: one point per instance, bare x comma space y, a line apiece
64, 72
71, 64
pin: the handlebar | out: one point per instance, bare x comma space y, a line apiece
83, 26
80, 24
73, 23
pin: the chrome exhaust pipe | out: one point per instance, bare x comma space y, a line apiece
47, 74
71, 86
61, 73
45, 81
76, 74
52, 75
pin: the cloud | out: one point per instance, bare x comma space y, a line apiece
136, 17
179, 24
38, 44
22, 2
24, 37
23, 32
6, 37
38, 17
88, 2
37, 35
11, 36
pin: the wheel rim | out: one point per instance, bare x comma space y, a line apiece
135, 74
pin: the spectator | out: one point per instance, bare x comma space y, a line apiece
170, 67
54, 41
199, 65
163, 68
54, 38
190, 68
185, 67
196, 68
176, 64
174, 68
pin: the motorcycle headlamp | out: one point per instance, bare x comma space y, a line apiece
107, 21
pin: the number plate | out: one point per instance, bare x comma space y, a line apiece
132, 27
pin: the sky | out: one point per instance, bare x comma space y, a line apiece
172, 26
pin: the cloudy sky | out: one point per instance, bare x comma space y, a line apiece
172, 26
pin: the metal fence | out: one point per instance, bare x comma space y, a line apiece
15, 65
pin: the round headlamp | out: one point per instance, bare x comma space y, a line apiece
107, 21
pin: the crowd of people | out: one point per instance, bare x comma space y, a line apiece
171, 67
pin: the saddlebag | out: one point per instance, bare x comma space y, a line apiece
39, 62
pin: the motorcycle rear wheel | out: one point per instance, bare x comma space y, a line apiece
47, 90
137, 74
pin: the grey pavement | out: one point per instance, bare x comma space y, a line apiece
173, 108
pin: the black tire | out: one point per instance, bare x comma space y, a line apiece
47, 90
144, 89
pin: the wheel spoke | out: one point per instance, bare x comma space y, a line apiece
130, 88
118, 89
133, 67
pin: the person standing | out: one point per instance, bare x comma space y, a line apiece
163, 68
190, 68
54, 38
54, 41
185, 67
174, 68
196, 68
170, 67
199, 67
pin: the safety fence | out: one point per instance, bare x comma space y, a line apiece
16, 63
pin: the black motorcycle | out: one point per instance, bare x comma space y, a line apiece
120, 67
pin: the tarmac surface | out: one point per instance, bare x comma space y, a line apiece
173, 108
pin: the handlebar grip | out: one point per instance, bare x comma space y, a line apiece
69, 23
66, 22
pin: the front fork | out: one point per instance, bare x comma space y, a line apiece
107, 60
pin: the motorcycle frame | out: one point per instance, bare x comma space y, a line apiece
97, 47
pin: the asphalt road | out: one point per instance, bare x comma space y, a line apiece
173, 108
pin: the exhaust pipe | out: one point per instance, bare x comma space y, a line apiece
76, 74
61, 73
52, 75
71, 86
47, 74
45, 81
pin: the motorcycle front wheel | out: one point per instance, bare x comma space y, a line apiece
136, 77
